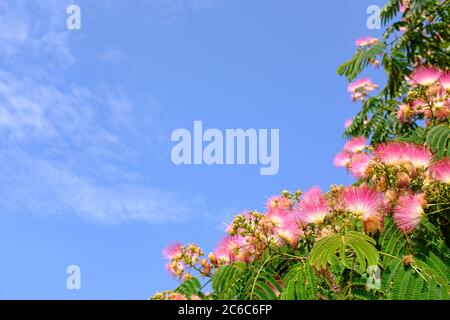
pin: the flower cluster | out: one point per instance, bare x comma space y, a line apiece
429, 97
185, 259
441, 170
171, 295
401, 171
394, 180
360, 88
252, 232
390, 174
354, 158
366, 41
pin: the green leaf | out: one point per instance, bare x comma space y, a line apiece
389, 11
189, 287
358, 243
301, 284
225, 281
438, 140
353, 67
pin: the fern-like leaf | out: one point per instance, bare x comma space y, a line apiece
189, 287
356, 243
438, 140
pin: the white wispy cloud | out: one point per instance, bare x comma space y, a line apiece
66, 148
170, 11
202, 4
14, 29
47, 188
34, 30
112, 55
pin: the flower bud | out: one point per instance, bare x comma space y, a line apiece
407, 260
402, 179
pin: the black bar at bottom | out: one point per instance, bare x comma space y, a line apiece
221, 309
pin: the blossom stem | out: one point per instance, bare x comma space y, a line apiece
258, 273
388, 255
437, 211
437, 204
292, 256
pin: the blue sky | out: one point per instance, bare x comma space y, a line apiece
86, 117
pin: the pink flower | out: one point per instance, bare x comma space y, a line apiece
285, 227
366, 41
361, 84
230, 249
173, 251
396, 153
177, 296
390, 153
342, 159
409, 211
348, 123
441, 110
278, 218
175, 268
289, 234
363, 202
404, 113
419, 105
313, 206
282, 220
359, 88
425, 76
356, 144
359, 165
441, 170
278, 203
418, 155
444, 80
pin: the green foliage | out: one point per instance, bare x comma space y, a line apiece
264, 286
265, 281
410, 283
392, 242
438, 140
432, 267
300, 283
362, 294
189, 287
389, 11
360, 60
396, 66
356, 251
416, 136
425, 41
227, 281
410, 275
